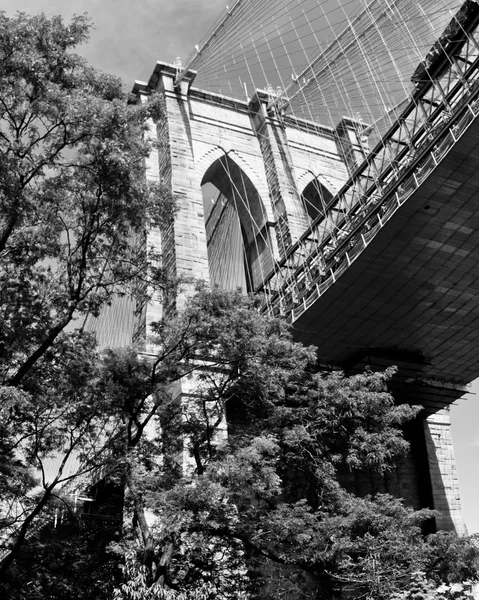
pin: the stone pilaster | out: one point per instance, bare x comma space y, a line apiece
150, 309
184, 241
289, 212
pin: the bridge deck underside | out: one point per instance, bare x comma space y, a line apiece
415, 288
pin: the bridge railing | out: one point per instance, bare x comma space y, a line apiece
437, 113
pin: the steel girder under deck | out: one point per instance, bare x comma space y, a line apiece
412, 296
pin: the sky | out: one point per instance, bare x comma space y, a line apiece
131, 35
128, 38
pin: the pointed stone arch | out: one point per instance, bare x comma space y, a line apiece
258, 180
238, 201
316, 192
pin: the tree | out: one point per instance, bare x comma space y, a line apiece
59, 412
263, 513
74, 205
73, 196
68, 560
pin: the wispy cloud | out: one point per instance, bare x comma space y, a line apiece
131, 35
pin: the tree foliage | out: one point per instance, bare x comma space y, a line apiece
72, 189
69, 560
262, 513
74, 204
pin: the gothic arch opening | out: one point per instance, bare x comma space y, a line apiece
237, 234
315, 197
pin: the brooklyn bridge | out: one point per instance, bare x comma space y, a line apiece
325, 155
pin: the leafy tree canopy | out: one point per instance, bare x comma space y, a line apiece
72, 189
266, 515
74, 204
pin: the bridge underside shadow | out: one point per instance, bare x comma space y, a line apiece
411, 298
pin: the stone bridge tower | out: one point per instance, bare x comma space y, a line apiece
277, 172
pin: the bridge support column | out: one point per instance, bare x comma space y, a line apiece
183, 242
442, 468
287, 206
